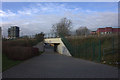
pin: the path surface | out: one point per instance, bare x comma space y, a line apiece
53, 65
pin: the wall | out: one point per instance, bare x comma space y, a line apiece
40, 46
62, 49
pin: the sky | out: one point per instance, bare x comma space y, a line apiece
36, 17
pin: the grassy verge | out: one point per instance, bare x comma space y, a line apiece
8, 63
111, 59
17, 51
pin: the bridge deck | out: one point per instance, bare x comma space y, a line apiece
52, 40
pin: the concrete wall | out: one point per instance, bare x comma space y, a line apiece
40, 46
61, 48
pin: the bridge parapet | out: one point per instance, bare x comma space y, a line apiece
52, 40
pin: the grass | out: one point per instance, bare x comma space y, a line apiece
8, 63
8, 45
82, 47
111, 59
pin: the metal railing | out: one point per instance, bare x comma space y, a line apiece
51, 35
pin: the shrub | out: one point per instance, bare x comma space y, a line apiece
20, 49
35, 51
19, 53
20, 42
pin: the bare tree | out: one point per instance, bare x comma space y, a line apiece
39, 37
82, 31
63, 27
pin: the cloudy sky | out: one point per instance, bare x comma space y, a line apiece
36, 17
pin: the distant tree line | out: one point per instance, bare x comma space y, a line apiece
82, 31
39, 37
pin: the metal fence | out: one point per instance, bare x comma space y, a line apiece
51, 35
91, 48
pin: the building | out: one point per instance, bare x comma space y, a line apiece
13, 32
108, 30
93, 32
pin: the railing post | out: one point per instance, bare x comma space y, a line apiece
99, 57
113, 45
93, 47
79, 49
86, 50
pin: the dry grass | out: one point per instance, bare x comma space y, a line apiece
83, 47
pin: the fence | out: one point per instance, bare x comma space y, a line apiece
91, 48
50, 35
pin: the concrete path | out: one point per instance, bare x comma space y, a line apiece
54, 65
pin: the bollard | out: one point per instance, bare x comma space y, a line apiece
113, 45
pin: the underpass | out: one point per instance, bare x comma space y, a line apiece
58, 45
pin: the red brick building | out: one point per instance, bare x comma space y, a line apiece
108, 30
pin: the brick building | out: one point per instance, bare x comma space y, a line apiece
107, 30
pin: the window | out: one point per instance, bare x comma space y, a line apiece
101, 32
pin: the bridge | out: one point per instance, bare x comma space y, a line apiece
58, 44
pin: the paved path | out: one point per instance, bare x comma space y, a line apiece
54, 65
